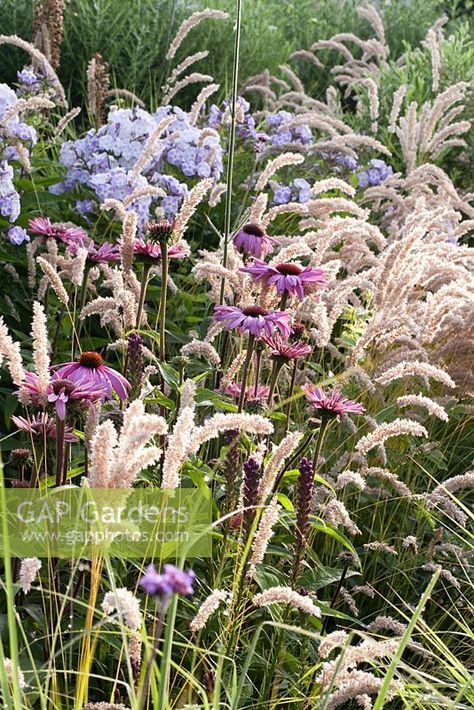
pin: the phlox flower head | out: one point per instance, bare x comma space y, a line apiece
16, 127
18, 235
9, 197
377, 172
299, 190
103, 160
280, 131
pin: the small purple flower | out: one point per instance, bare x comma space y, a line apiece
85, 207
288, 278
251, 239
334, 404
18, 235
253, 320
27, 77
171, 581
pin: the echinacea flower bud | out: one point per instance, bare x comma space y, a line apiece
161, 231
21, 457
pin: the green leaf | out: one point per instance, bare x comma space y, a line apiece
323, 577
331, 532
169, 374
205, 396
160, 398
285, 502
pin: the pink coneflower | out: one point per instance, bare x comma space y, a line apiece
254, 320
283, 349
60, 391
91, 370
253, 240
103, 254
42, 425
150, 251
252, 393
67, 233
332, 405
288, 278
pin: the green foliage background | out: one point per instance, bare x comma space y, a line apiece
133, 35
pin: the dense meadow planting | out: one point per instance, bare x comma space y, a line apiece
259, 292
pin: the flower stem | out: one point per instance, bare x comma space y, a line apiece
335, 597
258, 361
290, 394
166, 655
245, 371
146, 271
59, 320
276, 367
157, 632
60, 429
164, 290
289, 464
319, 442
230, 163
82, 301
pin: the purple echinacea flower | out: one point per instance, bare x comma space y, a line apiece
289, 278
252, 239
332, 405
63, 232
254, 320
91, 370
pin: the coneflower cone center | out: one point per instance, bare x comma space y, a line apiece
162, 231
65, 385
254, 230
91, 360
289, 269
254, 311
